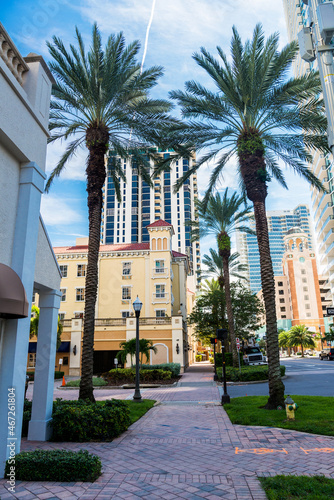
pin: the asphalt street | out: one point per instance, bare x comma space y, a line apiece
308, 376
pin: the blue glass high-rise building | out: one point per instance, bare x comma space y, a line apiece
142, 204
279, 222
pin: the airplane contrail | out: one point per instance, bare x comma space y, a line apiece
147, 34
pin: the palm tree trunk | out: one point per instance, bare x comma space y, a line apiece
96, 173
229, 311
276, 386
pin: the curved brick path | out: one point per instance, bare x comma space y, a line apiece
186, 447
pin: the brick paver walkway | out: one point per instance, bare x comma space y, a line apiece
186, 447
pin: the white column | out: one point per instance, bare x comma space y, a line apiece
177, 339
76, 334
41, 414
13, 362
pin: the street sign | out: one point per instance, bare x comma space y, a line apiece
238, 343
330, 311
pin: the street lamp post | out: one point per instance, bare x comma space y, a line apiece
321, 337
137, 305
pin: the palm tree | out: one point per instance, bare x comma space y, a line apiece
129, 348
34, 321
256, 116
101, 99
300, 335
214, 266
284, 341
221, 216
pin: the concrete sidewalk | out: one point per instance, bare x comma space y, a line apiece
186, 447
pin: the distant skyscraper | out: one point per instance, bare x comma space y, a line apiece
141, 204
297, 17
279, 222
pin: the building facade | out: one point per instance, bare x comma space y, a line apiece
142, 204
150, 270
297, 17
279, 222
301, 294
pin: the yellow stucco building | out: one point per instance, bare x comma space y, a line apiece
154, 272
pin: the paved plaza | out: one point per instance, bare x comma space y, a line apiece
186, 447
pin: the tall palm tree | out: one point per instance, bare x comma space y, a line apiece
101, 99
214, 266
221, 216
300, 335
257, 116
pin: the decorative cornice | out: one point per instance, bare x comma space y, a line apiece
11, 56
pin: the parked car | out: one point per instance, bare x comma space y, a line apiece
327, 353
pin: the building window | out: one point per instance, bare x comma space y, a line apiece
283, 316
65, 361
303, 271
32, 360
159, 266
63, 294
80, 294
304, 280
280, 283
308, 315
307, 306
33, 298
281, 292
63, 270
306, 297
282, 309
125, 314
126, 293
126, 269
281, 301
305, 289
160, 313
61, 316
160, 291
81, 270
78, 315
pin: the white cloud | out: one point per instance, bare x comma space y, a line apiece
57, 211
76, 166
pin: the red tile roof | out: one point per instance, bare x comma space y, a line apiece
160, 223
119, 247
178, 254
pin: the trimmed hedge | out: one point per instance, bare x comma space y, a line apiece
175, 368
55, 465
248, 373
85, 421
97, 382
228, 359
128, 376
57, 375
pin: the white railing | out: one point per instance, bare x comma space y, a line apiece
11, 56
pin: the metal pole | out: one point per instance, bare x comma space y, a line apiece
239, 360
215, 377
225, 396
137, 395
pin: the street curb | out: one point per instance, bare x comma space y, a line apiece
247, 383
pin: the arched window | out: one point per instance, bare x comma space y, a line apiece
165, 243
154, 244
159, 243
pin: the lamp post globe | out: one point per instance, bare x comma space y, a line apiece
137, 305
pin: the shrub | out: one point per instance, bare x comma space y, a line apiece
31, 375
85, 421
248, 373
228, 359
211, 359
55, 465
299, 353
175, 368
128, 375
198, 357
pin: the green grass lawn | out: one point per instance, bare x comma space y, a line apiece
315, 414
137, 410
97, 382
298, 487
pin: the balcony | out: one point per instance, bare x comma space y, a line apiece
160, 272
160, 298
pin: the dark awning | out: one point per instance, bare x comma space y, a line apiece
13, 299
64, 347
32, 347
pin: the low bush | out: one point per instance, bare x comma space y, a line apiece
31, 375
228, 359
128, 375
55, 465
85, 421
198, 357
97, 382
211, 359
175, 368
248, 373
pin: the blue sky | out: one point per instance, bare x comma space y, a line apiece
179, 28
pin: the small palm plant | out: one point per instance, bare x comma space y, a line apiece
129, 349
300, 335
